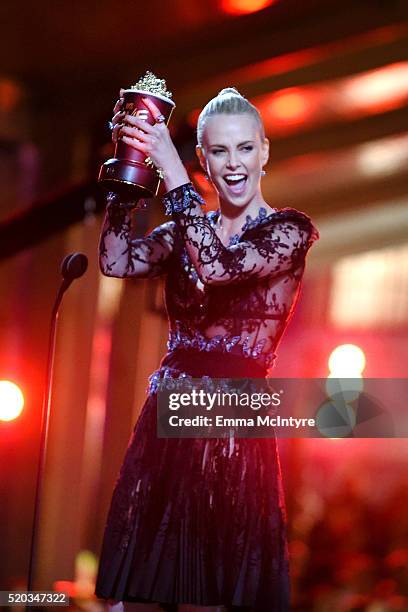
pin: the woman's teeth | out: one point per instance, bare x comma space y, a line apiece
233, 178
236, 182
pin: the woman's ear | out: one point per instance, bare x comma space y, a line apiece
265, 151
201, 158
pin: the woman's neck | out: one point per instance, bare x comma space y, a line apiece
233, 217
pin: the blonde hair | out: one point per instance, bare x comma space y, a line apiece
229, 102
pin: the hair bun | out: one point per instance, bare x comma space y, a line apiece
228, 91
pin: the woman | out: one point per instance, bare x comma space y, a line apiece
200, 524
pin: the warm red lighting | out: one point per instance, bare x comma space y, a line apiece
11, 400
300, 108
201, 181
239, 7
347, 361
377, 91
83, 586
192, 117
289, 107
10, 94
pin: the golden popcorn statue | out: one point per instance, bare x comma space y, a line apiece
130, 173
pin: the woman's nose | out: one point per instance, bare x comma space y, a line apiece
233, 162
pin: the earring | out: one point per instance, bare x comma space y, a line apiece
207, 178
263, 172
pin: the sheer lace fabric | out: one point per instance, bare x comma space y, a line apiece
123, 257
194, 520
236, 298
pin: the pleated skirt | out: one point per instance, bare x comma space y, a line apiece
197, 521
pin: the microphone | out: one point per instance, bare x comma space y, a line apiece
73, 266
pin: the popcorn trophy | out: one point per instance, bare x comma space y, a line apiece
130, 174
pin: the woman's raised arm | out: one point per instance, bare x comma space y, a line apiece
123, 257
277, 247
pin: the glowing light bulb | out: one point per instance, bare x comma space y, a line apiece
348, 361
11, 400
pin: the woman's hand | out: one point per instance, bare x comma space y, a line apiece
153, 140
118, 116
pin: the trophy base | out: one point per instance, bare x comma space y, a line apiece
130, 180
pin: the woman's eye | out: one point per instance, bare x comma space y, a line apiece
248, 148
216, 151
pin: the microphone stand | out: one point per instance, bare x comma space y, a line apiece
46, 407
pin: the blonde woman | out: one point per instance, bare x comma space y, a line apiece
200, 524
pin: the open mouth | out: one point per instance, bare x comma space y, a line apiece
236, 182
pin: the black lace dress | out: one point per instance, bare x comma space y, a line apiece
203, 521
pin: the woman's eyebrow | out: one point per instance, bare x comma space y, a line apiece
238, 145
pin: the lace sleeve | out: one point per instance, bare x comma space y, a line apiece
123, 257
276, 247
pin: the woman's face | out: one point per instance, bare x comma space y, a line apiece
233, 155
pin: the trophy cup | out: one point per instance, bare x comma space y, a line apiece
130, 174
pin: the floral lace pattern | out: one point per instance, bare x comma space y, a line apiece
121, 255
225, 343
171, 378
179, 507
249, 222
273, 252
178, 199
236, 298
170, 530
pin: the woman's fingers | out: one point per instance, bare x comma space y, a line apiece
136, 144
119, 102
139, 123
120, 129
152, 140
152, 107
115, 132
118, 105
136, 133
118, 117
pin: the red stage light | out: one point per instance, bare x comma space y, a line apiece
239, 7
377, 91
192, 117
10, 95
347, 361
289, 107
11, 400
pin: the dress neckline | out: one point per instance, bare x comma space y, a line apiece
250, 222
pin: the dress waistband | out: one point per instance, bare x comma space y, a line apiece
184, 365
215, 364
